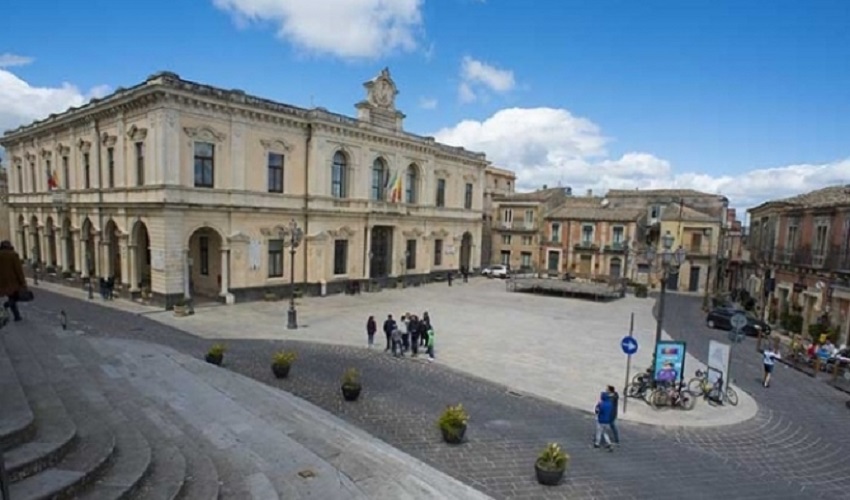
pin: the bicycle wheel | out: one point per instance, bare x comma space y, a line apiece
695, 386
731, 396
687, 401
633, 391
659, 398
638, 377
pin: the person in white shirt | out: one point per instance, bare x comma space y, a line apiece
770, 357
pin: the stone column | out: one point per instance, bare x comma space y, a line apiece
124, 251
35, 256
96, 258
80, 263
46, 248
225, 275
186, 275
63, 253
131, 264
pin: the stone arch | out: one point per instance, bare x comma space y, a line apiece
50, 253
111, 246
340, 173
35, 244
140, 256
412, 183
70, 248
466, 251
88, 248
207, 246
23, 249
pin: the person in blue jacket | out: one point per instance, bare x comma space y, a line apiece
604, 417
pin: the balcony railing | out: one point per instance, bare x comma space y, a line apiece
703, 249
618, 247
586, 246
832, 258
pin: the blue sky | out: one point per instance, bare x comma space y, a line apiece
724, 96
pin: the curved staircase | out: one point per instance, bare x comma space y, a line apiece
69, 429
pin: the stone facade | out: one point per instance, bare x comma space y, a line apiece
586, 238
800, 248
497, 182
187, 190
518, 227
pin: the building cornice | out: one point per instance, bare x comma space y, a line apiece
169, 86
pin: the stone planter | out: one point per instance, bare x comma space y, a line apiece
181, 311
548, 477
280, 370
453, 436
351, 392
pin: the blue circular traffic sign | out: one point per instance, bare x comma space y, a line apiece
629, 345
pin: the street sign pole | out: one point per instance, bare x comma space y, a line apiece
628, 364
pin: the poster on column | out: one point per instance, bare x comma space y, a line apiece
718, 362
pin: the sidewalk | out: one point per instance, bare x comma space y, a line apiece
563, 350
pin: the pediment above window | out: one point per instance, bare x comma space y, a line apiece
45, 153
135, 133
413, 233
441, 172
83, 145
239, 238
342, 233
469, 178
276, 145
29, 156
62, 149
204, 133
108, 140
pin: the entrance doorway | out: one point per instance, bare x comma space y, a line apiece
466, 251
693, 282
142, 257
67, 236
113, 253
615, 268
552, 261
50, 254
205, 263
90, 256
36, 244
673, 281
381, 251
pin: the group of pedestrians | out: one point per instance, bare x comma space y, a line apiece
407, 334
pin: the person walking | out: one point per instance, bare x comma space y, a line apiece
769, 357
398, 350
615, 404
371, 328
425, 326
389, 326
403, 327
414, 327
604, 414
12, 279
431, 339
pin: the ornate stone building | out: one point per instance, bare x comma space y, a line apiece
184, 190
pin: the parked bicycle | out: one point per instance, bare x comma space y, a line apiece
700, 385
674, 395
640, 386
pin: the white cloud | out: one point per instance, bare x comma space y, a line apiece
428, 103
21, 103
476, 75
548, 146
343, 28
8, 60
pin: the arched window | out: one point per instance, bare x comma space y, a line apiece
411, 184
379, 180
338, 176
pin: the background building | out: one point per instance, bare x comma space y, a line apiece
800, 247
188, 190
497, 182
518, 226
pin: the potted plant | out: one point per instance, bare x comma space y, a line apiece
282, 362
452, 423
216, 354
182, 307
351, 386
641, 291
551, 464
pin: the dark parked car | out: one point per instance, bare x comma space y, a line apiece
721, 318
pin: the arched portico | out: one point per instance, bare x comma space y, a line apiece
140, 257
466, 251
88, 249
22, 246
112, 252
35, 244
50, 243
69, 249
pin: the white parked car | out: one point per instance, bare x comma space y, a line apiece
497, 271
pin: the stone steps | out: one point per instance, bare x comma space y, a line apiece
71, 431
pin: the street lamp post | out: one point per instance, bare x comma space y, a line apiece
670, 263
293, 239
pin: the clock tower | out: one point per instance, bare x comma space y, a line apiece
379, 106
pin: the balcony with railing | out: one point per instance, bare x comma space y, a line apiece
698, 250
616, 247
586, 246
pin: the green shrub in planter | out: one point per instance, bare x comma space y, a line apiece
282, 362
351, 386
452, 423
551, 465
216, 354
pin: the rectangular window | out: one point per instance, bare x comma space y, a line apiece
528, 240
86, 171
506, 258
526, 259
340, 257
20, 180
792, 238
66, 173
275, 258
204, 164
506, 239
820, 239
438, 252
654, 212
441, 192
529, 217
275, 173
410, 254
467, 197
204, 245
49, 171
140, 163
556, 231
33, 178
586, 235
696, 242
618, 236
509, 216
110, 166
